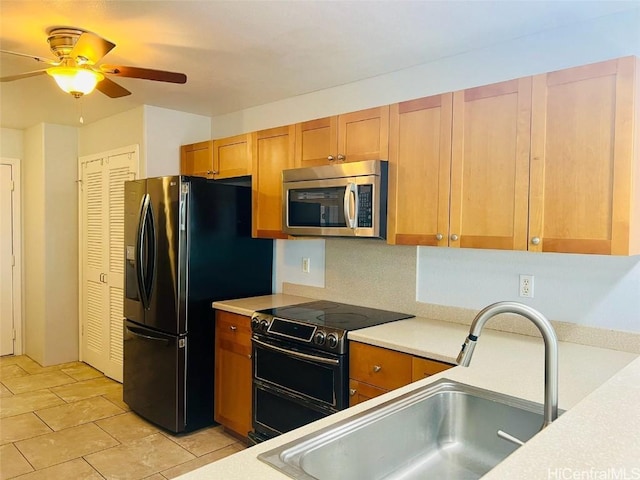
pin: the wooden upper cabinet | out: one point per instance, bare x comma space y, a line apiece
232, 156
273, 152
419, 171
490, 166
197, 159
585, 172
352, 137
217, 159
316, 142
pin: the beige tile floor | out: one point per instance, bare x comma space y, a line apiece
69, 422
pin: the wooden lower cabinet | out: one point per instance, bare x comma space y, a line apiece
375, 370
232, 397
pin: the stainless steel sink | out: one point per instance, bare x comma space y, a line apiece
443, 430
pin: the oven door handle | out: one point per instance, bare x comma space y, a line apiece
305, 356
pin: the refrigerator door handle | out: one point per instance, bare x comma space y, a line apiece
137, 332
150, 270
140, 247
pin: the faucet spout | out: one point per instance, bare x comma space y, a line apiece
550, 348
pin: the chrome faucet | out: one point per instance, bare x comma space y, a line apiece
550, 349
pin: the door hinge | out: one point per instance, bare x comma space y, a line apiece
13, 185
13, 260
13, 334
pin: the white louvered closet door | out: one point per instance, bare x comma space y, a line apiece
103, 266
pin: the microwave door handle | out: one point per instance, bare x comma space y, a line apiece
351, 198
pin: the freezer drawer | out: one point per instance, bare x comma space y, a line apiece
155, 375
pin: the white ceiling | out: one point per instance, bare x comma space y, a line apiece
239, 54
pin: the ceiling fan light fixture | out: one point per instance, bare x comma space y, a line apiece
75, 80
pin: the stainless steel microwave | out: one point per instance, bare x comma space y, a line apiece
345, 199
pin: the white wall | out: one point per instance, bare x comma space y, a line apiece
33, 209
582, 289
590, 290
599, 39
121, 130
11, 143
288, 255
165, 131
51, 243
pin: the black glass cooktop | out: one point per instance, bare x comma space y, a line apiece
336, 315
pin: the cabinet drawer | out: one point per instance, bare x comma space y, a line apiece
379, 367
423, 367
233, 332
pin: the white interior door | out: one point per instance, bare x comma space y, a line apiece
6, 261
102, 271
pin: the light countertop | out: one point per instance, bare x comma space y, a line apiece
246, 306
599, 388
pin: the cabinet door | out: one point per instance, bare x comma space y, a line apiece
419, 171
386, 369
360, 392
490, 166
232, 404
232, 156
197, 159
316, 142
583, 169
425, 367
364, 135
273, 152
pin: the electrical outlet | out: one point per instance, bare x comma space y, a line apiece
306, 265
526, 286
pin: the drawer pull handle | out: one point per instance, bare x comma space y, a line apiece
377, 368
352, 391
233, 328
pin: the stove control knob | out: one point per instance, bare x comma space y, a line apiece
319, 338
332, 340
255, 324
264, 325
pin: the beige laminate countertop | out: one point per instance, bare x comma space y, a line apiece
246, 306
600, 388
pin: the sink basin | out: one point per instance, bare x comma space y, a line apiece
443, 430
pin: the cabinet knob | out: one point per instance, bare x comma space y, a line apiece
535, 240
352, 391
233, 328
377, 368
341, 157
454, 238
212, 172
331, 158
439, 236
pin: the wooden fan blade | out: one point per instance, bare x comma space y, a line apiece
112, 89
34, 57
11, 78
91, 47
144, 73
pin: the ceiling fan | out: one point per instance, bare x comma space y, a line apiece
75, 70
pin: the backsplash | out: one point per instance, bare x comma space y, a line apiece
592, 300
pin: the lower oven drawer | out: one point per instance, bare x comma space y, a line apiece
277, 412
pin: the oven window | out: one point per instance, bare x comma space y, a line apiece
300, 376
317, 207
280, 414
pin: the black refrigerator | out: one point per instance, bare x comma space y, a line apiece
187, 243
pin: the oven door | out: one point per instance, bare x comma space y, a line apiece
318, 377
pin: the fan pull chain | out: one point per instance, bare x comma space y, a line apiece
80, 104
